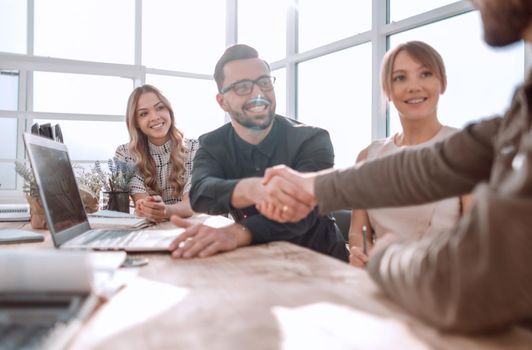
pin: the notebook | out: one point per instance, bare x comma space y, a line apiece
116, 219
65, 213
14, 212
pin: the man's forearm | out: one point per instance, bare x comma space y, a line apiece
247, 192
474, 278
415, 176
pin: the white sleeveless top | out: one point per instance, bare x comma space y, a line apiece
414, 221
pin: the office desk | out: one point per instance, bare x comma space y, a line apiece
273, 296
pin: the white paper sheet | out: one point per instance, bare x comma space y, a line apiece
52, 270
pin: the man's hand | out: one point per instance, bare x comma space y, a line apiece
202, 241
152, 208
289, 195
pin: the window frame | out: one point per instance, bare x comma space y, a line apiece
378, 35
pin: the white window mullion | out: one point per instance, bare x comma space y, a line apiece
291, 66
138, 32
378, 39
231, 22
30, 27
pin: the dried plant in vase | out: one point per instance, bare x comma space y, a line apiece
90, 186
116, 182
31, 191
30, 186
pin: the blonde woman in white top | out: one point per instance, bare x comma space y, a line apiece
412, 78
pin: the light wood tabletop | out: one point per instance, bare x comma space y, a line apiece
270, 296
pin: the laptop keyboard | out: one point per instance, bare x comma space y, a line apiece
38, 320
23, 336
110, 238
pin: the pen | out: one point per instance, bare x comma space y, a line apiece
365, 239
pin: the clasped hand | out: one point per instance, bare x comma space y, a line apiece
152, 208
289, 194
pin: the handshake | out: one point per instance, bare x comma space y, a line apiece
288, 195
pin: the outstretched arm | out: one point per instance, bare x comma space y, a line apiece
474, 278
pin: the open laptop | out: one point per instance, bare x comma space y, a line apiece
65, 213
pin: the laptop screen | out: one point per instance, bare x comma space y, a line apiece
57, 184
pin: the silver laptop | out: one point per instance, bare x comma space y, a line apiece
65, 214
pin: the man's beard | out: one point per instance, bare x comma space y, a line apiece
251, 123
258, 123
504, 24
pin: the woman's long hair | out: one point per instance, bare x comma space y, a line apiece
139, 147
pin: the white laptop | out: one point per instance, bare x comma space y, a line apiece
65, 214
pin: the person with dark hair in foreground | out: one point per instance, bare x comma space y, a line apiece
477, 276
231, 160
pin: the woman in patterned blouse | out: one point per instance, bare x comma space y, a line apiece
162, 155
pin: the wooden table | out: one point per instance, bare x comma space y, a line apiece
272, 296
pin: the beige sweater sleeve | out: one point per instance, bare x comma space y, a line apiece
414, 176
475, 278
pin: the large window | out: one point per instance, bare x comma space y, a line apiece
9, 90
183, 35
263, 26
76, 62
335, 94
8, 176
401, 9
8, 153
95, 30
322, 22
8, 128
90, 140
77, 93
8, 135
280, 91
13, 26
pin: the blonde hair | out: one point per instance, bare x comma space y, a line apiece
140, 150
421, 52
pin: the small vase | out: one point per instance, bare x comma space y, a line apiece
90, 201
118, 201
37, 217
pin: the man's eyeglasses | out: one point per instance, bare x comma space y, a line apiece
244, 87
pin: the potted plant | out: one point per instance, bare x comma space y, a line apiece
116, 183
31, 191
90, 186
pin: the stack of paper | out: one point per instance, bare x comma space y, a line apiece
116, 219
43, 270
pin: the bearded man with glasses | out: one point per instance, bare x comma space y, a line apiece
231, 160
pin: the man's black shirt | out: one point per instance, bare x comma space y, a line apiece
223, 158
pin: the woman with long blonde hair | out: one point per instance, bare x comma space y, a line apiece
162, 156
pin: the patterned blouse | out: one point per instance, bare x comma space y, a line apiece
161, 155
